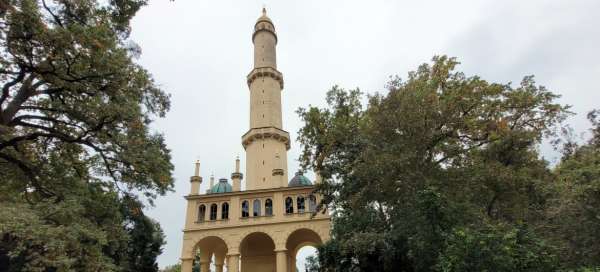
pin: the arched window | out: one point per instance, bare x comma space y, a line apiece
245, 212
256, 208
225, 211
213, 212
289, 205
268, 207
300, 204
312, 203
201, 213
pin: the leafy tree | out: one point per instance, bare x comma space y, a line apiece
75, 145
438, 153
496, 248
576, 207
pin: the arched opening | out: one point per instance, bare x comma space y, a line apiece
213, 212
301, 244
256, 208
302, 262
201, 213
268, 207
225, 211
289, 205
312, 203
300, 204
209, 252
257, 252
245, 209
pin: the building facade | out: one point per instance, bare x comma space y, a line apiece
262, 227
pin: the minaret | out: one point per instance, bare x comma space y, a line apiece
266, 142
195, 180
236, 177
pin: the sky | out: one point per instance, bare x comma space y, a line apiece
201, 51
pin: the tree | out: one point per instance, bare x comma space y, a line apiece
75, 145
172, 268
438, 153
576, 206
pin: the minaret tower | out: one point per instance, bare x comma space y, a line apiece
266, 143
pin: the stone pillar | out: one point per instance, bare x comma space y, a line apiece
281, 260
219, 258
205, 261
233, 262
186, 265
204, 266
293, 263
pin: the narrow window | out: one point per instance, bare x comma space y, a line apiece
245, 207
312, 203
213, 212
263, 162
300, 201
268, 207
201, 213
289, 205
256, 208
225, 211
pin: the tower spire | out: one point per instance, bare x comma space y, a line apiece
266, 143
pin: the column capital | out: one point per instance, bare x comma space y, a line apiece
280, 250
232, 254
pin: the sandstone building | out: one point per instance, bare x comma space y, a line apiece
262, 227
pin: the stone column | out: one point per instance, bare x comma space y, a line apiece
281, 260
186, 265
293, 263
205, 260
233, 262
204, 266
219, 262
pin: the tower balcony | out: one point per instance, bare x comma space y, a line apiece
266, 132
265, 72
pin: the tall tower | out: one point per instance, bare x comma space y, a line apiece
266, 143
263, 227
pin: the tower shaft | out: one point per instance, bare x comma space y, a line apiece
266, 143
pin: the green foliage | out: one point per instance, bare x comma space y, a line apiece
172, 268
496, 248
438, 153
75, 144
576, 207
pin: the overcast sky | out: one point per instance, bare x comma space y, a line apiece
201, 51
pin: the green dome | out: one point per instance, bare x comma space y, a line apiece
221, 187
299, 180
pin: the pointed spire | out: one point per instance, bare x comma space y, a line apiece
237, 164
264, 10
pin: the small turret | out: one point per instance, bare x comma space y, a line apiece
236, 177
196, 180
211, 184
